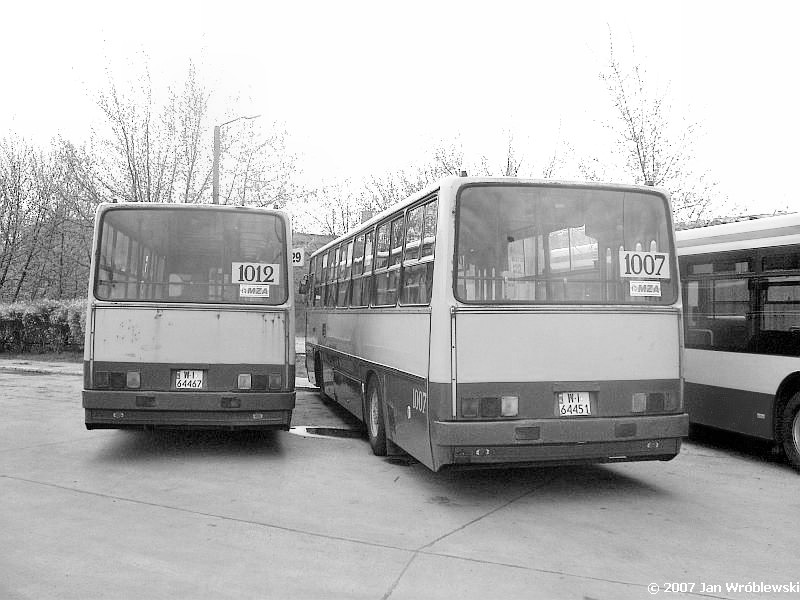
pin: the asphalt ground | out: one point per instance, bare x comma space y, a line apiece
209, 515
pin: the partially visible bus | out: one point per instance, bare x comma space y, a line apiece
741, 297
499, 321
190, 321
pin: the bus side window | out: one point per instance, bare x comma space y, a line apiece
429, 230
330, 291
366, 290
318, 282
698, 331
307, 283
779, 332
383, 294
417, 275
395, 259
358, 270
345, 266
324, 283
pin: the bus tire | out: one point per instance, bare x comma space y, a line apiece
376, 424
318, 377
790, 430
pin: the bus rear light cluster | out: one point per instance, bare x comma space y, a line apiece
490, 407
131, 380
654, 402
250, 381
244, 381
275, 381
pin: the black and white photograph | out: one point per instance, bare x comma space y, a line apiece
416, 301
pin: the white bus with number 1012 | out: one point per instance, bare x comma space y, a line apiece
191, 320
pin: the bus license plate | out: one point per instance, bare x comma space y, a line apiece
188, 379
574, 404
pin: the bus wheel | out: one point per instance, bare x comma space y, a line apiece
376, 426
790, 436
318, 380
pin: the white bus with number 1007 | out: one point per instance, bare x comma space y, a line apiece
505, 321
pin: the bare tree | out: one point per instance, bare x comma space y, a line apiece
189, 114
16, 186
162, 152
28, 225
156, 151
380, 192
257, 168
652, 146
516, 158
335, 207
142, 161
78, 192
332, 208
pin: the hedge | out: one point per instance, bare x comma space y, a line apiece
42, 326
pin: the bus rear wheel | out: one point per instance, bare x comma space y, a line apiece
318, 375
790, 434
376, 426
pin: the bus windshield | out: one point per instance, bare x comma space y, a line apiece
198, 256
550, 245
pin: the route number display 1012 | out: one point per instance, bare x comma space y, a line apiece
254, 273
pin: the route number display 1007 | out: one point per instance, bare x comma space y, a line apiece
653, 265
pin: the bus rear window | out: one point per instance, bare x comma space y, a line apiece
207, 256
542, 245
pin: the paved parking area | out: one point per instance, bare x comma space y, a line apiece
125, 514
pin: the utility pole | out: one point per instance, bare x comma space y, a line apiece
215, 165
215, 181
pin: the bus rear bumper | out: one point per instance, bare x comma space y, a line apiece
186, 410
559, 441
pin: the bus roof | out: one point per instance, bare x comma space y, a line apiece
454, 181
764, 232
103, 206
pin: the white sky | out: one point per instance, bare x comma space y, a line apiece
369, 86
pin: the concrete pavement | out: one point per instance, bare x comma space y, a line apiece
210, 515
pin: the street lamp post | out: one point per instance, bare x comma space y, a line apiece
215, 167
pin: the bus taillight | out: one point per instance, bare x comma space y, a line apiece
490, 407
654, 402
244, 381
133, 380
275, 381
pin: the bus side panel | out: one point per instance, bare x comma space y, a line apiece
408, 407
741, 411
392, 346
175, 336
398, 340
735, 390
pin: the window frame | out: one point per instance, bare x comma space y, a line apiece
759, 280
141, 266
357, 278
672, 299
383, 270
418, 262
